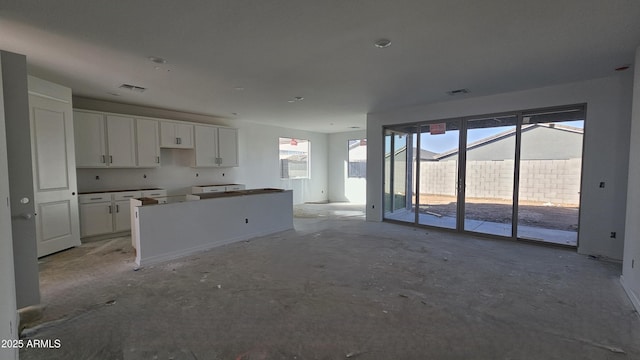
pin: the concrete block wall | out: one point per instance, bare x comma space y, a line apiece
555, 181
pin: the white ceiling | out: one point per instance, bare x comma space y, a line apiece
321, 50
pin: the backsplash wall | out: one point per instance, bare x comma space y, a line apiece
175, 174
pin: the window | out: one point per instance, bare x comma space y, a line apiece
294, 158
357, 158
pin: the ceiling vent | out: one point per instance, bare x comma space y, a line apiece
458, 92
133, 88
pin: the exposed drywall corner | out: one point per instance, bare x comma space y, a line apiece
17, 125
8, 312
630, 278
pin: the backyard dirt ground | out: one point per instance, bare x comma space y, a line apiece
537, 214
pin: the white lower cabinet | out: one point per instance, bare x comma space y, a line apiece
95, 219
105, 213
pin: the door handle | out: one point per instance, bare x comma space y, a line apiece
23, 216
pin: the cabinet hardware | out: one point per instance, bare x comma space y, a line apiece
98, 198
158, 159
127, 196
117, 208
178, 140
103, 159
110, 159
110, 211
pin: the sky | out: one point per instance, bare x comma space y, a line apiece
449, 140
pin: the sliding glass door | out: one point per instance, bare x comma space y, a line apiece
513, 175
438, 174
397, 203
550, 176
490, 150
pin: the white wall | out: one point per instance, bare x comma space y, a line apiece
606, 150
341, 187
260, 164
8, 311
258, 156
631, 275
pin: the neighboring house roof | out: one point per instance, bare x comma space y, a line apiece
507, 134
425, 155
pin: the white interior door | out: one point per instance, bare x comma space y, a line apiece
54, 174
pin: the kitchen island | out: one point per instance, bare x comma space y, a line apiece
162, 232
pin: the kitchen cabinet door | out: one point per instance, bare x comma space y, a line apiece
227, 147
96, 218
206, 146
89, 137
122, 216
148, 143
176, 135
121, 141
184, 132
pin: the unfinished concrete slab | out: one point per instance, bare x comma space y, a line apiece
337, 287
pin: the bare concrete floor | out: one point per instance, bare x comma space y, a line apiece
337, 287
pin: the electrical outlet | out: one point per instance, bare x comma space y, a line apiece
97, 177
602, 184
613, 235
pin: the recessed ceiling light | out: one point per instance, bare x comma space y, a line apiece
234, 114
382, 43
354, 127
238, 88
295, 99
157, 60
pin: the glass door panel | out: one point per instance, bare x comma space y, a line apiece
489, 172
397, 197
438, 173
550, 176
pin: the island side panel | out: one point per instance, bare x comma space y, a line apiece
170, 231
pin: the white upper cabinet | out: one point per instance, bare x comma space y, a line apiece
104, 140
176, 135
90, 139
121, 141
228, 147
215, 146
206, 146
148, 143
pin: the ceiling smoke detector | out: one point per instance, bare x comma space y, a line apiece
458, 92
382, 43
133, 88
